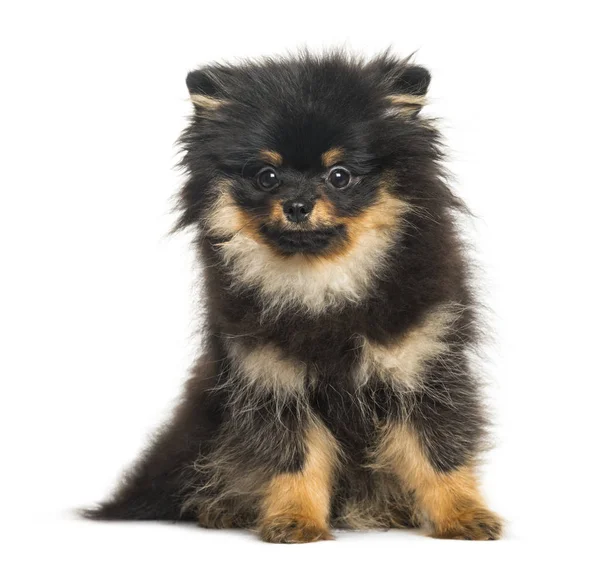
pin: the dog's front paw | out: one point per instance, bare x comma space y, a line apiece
472, 524
293, 529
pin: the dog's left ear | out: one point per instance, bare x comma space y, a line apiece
206, 88
407, 86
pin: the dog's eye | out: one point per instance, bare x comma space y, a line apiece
339, 177
267, 179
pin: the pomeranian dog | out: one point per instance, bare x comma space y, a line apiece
335, 387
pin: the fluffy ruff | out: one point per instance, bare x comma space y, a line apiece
335, 388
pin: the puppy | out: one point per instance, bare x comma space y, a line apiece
334, 388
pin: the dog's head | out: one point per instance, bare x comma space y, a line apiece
305, 160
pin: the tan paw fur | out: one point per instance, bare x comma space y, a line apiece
473, 524
293, 529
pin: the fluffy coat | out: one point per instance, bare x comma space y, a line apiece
335, 387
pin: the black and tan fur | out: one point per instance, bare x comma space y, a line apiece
335, 387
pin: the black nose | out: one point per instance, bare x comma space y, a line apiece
297, 211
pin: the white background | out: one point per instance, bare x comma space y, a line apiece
97, 319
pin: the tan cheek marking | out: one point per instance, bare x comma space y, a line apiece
382, 216
304, 497
375, 226
272, 157
402, 361
206, 102
226, 219
450, 501
332, 156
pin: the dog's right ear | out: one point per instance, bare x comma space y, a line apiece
206, 88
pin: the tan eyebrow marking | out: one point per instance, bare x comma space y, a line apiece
272, 157
332, 156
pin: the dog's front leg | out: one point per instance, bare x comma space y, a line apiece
295, 507
447, 499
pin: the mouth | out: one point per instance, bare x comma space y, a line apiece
306, 241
